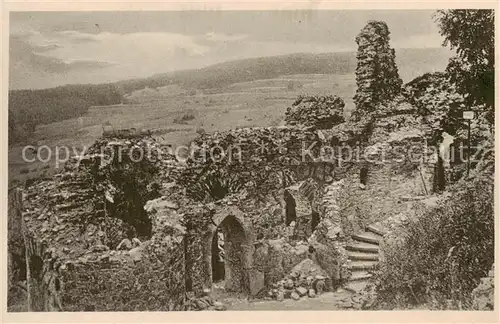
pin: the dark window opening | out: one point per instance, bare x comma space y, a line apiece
363, 176
291, 215
439, 179
36, 265
57, 284
218, 267
314, 220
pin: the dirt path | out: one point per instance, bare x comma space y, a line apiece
326, 301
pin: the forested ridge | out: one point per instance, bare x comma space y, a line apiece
29, 108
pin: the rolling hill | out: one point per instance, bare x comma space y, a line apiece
30, 108
411, 63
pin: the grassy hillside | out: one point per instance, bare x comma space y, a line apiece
178, 106
411, 62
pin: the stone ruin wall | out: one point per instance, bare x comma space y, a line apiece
15, 256
71, 267
399, 167
92, 277
88, 275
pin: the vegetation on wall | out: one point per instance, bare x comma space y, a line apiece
442, 254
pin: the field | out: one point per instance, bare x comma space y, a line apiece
177, 116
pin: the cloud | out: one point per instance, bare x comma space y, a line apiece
34, 57
50, 48
76, 37
217, 37
134, 49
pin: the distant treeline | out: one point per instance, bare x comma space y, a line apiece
227, 73
29, 108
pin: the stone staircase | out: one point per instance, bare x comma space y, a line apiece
363, 255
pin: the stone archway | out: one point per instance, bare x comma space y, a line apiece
238, 249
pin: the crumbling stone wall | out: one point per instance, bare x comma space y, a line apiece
75, 237
258, 160
377, 77
318, 112
135, 281
398, 165
16, 262
70, 240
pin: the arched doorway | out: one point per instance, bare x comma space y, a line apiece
229, 245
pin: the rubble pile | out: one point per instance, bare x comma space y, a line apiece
205, 302
305, 279
483, 296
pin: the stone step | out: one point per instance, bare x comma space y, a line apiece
362, 265
367, 237
376, 230
357, 275
362, 247
362, 256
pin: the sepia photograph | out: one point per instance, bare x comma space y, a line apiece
250, 160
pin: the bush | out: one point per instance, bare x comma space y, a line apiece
184, 118
443, 253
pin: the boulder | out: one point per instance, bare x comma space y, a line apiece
295, 296
201, 304
208, 300
288, 284
99, 248
301, 291
124, 245
346, 304
309, 281
280, 296
307, 268
311, 293
483, 297
219, 306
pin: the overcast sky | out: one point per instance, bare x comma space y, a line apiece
53, 48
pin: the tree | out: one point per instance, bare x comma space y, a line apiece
472, 34
377, 76
438, 102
